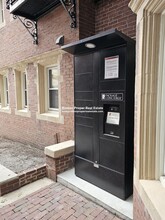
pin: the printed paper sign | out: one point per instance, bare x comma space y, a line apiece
111, 67
113, 118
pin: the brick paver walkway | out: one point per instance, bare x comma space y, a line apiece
55, 202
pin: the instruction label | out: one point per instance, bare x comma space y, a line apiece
113, 118
111, 67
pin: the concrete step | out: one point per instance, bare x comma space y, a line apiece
6, 175
123, 209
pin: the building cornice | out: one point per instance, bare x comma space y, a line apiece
135, 5
34, 59
153, 6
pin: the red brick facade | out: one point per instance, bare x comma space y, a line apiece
115, 14
87, 18
17, 47
18, 44
33, 131
140, 211
55, 166
22, 179
104, 15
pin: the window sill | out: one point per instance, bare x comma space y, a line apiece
154, 197
5, 110
2, 25
23, 113
52, 117
162, 180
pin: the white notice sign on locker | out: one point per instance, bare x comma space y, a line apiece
113, 118
111, 67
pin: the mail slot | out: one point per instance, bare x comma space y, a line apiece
104, 78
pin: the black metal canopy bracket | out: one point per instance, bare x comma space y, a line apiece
29, 19
8, 4
31, 27
70, 7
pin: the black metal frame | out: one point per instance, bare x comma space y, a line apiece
70, 7
31, 27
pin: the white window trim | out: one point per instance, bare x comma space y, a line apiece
52, 116
4, 107
6, 90
20, 109
24, 74
160, 136
48, 109
2, 24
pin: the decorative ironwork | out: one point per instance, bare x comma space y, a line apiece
10, 2
70, 7
31, 27
7, 4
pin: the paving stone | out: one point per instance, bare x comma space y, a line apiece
97, 211
116, 218
49, 215
44, 207
100, 217
40, 215
81, 217
55, 202
89, 217
68, 214
8, 214
71, 218
52, 207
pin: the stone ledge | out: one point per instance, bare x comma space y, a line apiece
61, 149
6, 175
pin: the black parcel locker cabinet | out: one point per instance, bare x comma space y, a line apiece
104, 117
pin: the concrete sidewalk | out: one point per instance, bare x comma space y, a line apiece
54, 202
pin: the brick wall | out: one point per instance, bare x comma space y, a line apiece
23, 179
31, 175
87, 18
139, 210
17, 44
115, 14
31, 130
104, 15
9, 186
55, 166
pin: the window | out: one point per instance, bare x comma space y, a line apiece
21, 87
49, 84
52, 79
4, 91
24, 91
1, 13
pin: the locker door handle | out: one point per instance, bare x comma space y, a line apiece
96, 165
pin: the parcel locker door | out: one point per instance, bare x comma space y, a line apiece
86, 121
112, 99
